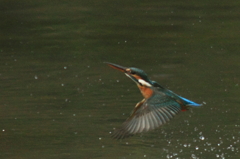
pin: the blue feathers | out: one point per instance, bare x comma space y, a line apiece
190, 103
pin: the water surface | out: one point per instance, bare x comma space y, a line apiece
59, 99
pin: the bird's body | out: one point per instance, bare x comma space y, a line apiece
158, 106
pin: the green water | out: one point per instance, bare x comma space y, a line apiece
59, 100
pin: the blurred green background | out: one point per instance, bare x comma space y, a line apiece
59, 100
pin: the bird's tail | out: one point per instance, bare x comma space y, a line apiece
189, 102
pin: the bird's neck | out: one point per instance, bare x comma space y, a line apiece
147, 92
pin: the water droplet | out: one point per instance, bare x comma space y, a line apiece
175, 154
194, 156
208, 143
201, 137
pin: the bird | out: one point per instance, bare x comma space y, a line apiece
158, 106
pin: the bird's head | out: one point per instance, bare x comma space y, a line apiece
136, 74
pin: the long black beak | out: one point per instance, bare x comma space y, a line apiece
122, 69
118, 67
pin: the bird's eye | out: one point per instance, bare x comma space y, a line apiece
133, 73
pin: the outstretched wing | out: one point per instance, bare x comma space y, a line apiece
148, 115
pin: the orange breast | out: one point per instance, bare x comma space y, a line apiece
146, 91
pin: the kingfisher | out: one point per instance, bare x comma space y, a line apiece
158, 106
